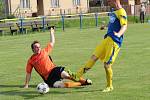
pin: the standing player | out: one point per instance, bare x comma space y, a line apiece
107, 51
51, 74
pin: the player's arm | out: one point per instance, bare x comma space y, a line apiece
51, 43
122, 31
52, 36
28, 76
123, 21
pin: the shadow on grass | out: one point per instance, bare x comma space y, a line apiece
24, 94
18, 90
79, 89
17, 86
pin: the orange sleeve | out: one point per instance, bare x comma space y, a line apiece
29, 67
48, 48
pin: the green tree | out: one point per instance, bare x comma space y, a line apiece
2, 14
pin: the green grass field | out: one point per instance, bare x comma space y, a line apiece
73, 48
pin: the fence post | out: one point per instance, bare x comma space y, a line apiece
96, 19
21, 25
80, 20
63, 22
134, 15
43, 22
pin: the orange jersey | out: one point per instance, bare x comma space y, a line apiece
41, 62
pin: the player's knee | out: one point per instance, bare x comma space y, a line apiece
65, 75
93, 57
106, 65
59, 84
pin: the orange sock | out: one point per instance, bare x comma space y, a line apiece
82, 80
72, 84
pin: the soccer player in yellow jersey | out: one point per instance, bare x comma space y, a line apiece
108, 49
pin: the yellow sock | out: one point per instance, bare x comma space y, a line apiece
86, 67
109, 74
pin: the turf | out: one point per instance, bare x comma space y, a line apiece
72, 49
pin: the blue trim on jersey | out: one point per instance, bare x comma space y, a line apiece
110, 59
114, 26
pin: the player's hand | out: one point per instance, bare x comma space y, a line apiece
116, 34
52, 29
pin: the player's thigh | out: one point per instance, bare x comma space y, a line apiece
54, 76
116, 51
99, 50
112, 50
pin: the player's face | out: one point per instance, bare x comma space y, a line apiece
36, 48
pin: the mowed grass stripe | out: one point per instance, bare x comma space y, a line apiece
72, 49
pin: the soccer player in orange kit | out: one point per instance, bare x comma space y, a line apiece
44, 66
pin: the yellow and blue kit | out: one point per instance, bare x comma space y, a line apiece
108, 49
117, 19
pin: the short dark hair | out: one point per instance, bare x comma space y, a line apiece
34, 42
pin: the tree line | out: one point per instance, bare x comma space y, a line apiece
2, 11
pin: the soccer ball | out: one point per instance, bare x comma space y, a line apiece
42, 88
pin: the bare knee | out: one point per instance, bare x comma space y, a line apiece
106, 65
65, 75
93, 57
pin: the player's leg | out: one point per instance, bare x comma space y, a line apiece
66, 84
111, 54
97, 54
75, 84
89, 64
65, 75
109, 75
57, 75
70, 84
